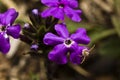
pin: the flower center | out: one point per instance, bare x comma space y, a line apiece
2, 28
68, 42
61, 5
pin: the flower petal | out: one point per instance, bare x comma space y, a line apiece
47, 12
73, 14
50, 3
76, 56
53, 11
73, 3
80, 36
70, 3
73, 47
51, 39
58, 54
14, 31
8, 17
61, 30
58, 13
4, 43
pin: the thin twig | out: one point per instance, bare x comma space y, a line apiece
43, 75
103, 5
80, 70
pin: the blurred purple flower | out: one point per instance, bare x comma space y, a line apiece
58, 8
34, 46
65, 43
35, 11
7, 28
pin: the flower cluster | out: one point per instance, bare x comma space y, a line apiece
7, 28
64, 43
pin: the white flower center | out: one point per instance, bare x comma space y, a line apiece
68, 42
6, 36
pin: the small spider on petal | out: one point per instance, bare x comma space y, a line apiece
63, 43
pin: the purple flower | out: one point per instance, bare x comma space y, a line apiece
35, 11
7, 28
64, 43
58, 8
34, 46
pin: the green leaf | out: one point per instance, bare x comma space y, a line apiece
97, 35
116, 23
116, 16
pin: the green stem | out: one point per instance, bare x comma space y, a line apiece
102, 35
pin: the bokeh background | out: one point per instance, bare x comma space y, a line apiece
101, 18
